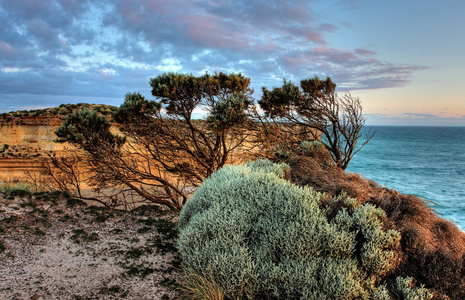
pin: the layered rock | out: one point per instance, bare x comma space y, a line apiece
27, 138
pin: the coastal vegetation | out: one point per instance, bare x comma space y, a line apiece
319, 112
266, 210
427, 262
265, 238
26, 117
164, 152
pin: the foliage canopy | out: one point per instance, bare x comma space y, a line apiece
165, 151
317, 109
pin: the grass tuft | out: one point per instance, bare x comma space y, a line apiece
201, 287
18, 188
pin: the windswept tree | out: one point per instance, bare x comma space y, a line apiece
165, 151
318, 111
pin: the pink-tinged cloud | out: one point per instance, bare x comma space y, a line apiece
11, 54
307, 33
320, 55
325, 27
351, 70
6, 48
233, 25
315, 37
364, 52
211, 32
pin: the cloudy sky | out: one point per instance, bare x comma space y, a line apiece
404, 59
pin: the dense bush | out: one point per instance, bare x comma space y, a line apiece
88, 129
309, 146
263, 237
432, 250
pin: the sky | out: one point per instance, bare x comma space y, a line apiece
403, 59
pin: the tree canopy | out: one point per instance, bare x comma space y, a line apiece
316, 107
164, 150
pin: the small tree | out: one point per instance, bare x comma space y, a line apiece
318, 110
165, 151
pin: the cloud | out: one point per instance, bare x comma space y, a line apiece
415, 119
82, 48
352, 70
364, 52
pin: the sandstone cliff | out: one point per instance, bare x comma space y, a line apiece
27, 138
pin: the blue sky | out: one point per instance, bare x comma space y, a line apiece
404, 59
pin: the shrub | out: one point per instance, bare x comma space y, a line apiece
263, 237
432, 250
282, 152
405, 288
309, 146
75, 202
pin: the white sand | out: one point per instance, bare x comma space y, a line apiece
56, 266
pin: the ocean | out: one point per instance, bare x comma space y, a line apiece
428, 162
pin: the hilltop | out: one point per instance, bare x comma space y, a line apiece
51, 116
28, 137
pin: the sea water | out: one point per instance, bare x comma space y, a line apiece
428, 162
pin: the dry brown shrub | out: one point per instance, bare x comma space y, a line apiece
327, 178
432, 249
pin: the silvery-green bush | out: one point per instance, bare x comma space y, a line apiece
263, 237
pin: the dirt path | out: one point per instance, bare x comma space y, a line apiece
55, 248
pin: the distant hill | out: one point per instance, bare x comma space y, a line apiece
27, 137
51, 116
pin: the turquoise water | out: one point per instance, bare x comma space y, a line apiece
428, 162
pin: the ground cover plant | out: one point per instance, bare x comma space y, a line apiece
26, 117
256, 235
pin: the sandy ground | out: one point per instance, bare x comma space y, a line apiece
54, 248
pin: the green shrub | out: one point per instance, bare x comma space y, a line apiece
309, 146
282, 152
80, 235
405, 288
264, 237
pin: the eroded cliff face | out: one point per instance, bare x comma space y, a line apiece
24, 148
27, 138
